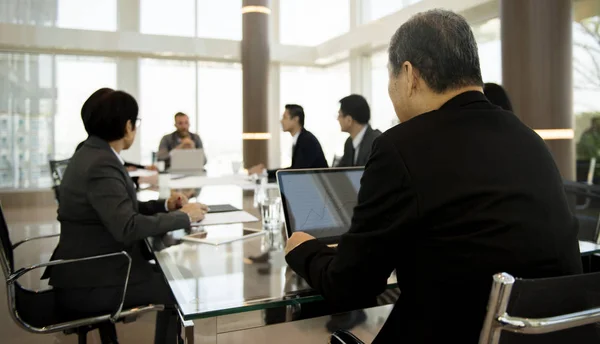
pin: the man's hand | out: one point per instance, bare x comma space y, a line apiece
152, 168
257, 169
176, 201
188, 143
195, 211
296, 240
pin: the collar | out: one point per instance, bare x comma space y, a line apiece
118, 156
358, 139
295, 137
464, 99
95, 141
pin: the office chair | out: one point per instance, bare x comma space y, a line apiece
562, 309
344, 337
36, 312
57, 171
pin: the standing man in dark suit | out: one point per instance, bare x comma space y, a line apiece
99, 214
458, 191
354, 117
306, 149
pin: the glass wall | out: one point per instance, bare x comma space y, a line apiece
381, 8
318, 91
220, 19
490, 50
40, 106
383, 116
586, 76
166, 87
311, 22
71, 14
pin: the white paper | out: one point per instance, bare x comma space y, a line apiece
226, 218
142, 173
200, 181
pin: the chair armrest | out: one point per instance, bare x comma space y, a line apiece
19, 243
17, 274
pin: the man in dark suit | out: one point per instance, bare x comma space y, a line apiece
457, 192
354, 117
99, 214
306, 149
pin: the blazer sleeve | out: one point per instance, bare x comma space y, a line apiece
108, 195
198, 143
152, 207
365, 257
348, 155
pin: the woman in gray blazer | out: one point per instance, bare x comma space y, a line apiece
99, 214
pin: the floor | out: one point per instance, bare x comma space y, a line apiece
24, 223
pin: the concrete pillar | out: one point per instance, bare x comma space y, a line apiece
537, 70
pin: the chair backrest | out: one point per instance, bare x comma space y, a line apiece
584, 201
547, 310
6, 252
57, 170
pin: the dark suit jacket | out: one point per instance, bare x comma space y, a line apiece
448, 199
307, 153
364, 149
99, 213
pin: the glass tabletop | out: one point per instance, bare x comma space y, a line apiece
250, 274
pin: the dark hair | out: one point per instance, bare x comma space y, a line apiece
497, 95
441, 47
296, 111
179, 114
91, 102
109, 117
356, 106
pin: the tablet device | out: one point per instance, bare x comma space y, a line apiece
221, 208
319, 202
222, 234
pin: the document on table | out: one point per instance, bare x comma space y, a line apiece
226, 218
142, 173
200, 181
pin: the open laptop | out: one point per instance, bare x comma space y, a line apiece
319, 202
187, 160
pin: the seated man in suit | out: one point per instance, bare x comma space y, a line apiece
99, 214
458, 191
306, 149
181, 138
354, 117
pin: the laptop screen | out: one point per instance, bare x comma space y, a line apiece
319, 202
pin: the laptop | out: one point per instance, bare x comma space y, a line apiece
187, 160
319, 202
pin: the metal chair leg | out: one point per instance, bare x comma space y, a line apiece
82, 335
108, 333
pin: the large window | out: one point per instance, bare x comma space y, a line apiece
318, 90
173, 18
40, 107
220, 113
76, 79
586, 73
166, 87
311, 22
490, 50
381, 8
220, 19
383, 116
72, 14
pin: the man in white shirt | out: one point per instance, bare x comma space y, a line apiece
354, 116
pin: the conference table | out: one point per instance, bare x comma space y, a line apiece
238, 286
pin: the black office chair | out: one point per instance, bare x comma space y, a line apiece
562, 309
584, 201
57, 171
36, 312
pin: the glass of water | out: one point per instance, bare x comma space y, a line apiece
270, 210
236, 166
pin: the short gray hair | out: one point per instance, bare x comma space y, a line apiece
441, 46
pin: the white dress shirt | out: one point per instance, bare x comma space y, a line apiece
295, 140
356, 142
